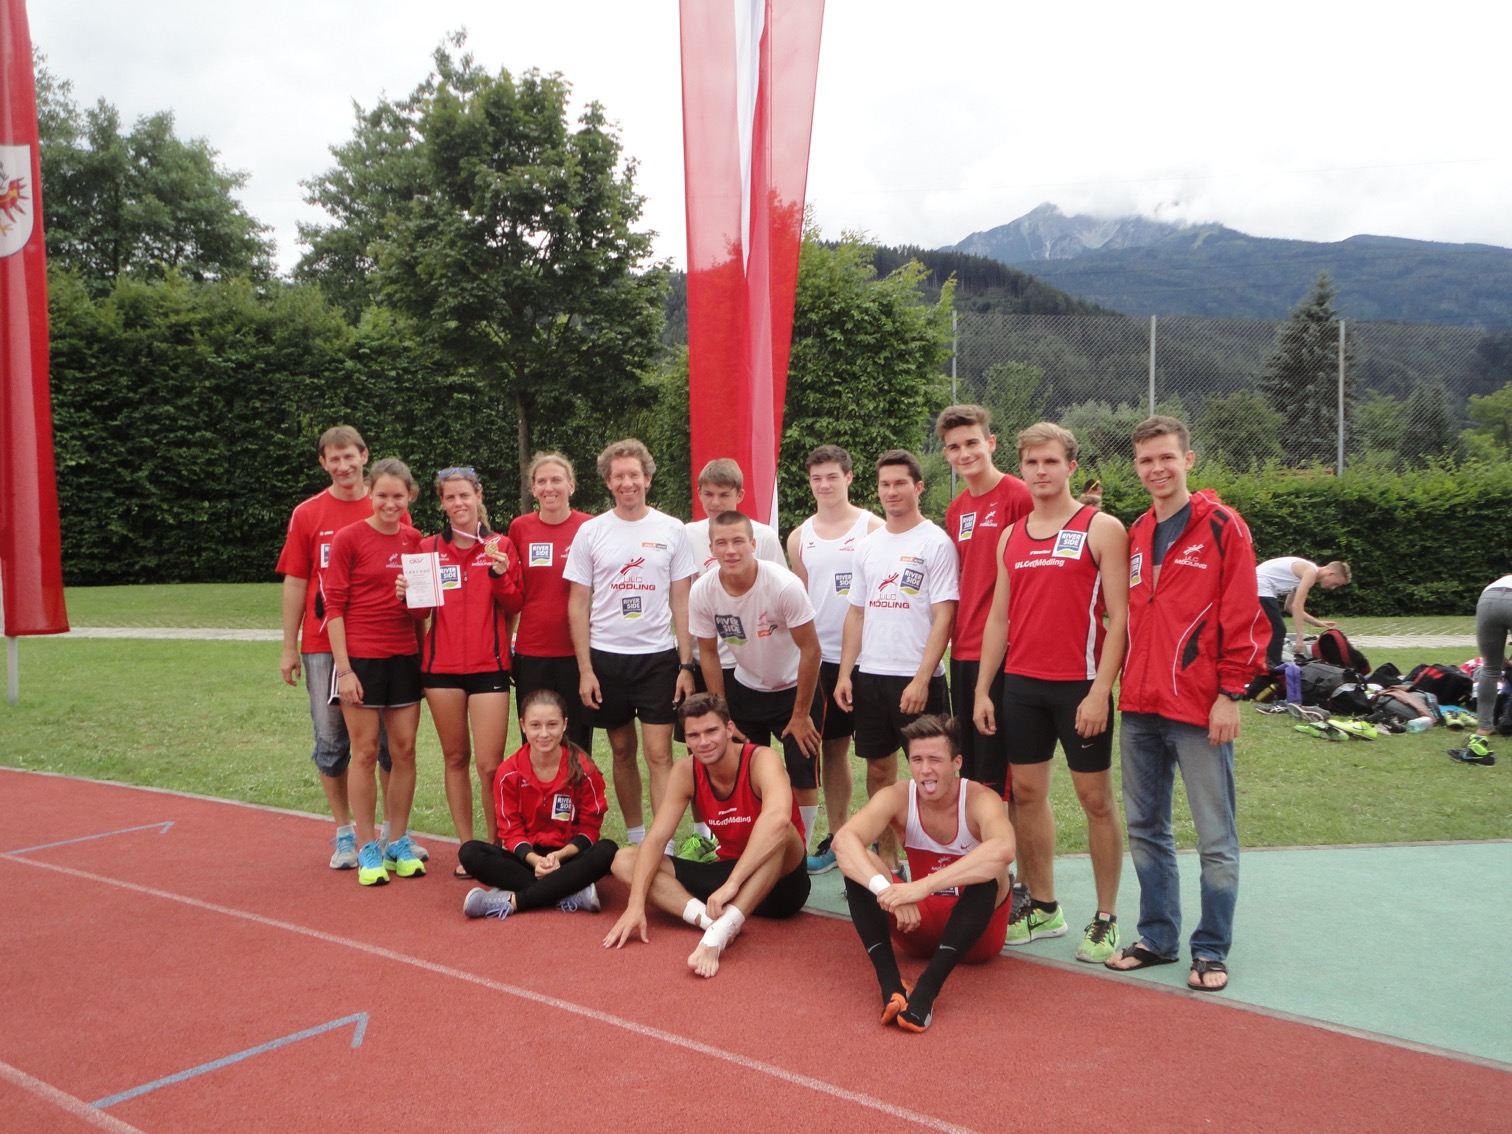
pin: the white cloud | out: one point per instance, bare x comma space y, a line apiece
1292, 119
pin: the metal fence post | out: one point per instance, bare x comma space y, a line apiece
1152, 365
1339, 464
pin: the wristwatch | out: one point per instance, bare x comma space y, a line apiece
1231, 696
690, 667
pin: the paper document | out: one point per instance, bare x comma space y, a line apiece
422, 577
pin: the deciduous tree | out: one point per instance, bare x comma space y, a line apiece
509, 236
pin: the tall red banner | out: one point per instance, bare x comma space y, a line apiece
749, 68
31, 558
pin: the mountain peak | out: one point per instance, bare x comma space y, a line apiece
1046, 233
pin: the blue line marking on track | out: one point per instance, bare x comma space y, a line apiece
360, 1019
160, 828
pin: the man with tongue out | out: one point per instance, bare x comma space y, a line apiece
959, 844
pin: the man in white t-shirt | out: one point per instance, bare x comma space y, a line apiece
760, 612
903, 598
822, 551
630, 570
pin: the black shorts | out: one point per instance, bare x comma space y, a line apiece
879, 721
983, 758
634, 685
761, 716
1036, 713
495, 681
702, 878
559, 674
387, 683
837, 722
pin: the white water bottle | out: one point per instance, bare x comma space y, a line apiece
1419, 724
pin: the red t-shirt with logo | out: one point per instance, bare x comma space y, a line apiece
307, 553
976, 523
359, 589
543, 630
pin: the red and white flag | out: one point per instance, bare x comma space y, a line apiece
749, 69
31, 558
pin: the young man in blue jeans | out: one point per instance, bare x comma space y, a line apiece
1196, 638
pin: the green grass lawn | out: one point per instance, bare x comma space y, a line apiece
215, 718
236, 606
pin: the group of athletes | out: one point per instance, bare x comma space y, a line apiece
770, 668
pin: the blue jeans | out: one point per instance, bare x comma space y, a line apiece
333, 749
1151, 747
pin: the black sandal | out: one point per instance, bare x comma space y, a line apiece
461, 872
1138, 952
1202, 966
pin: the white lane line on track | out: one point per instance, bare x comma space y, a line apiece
745, 1063
78, 1108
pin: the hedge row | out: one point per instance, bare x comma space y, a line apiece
1420, 543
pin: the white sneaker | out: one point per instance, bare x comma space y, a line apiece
345, 857
586, 899
484, 902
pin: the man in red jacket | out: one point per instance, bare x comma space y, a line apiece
1196, 638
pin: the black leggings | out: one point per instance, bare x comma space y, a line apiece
1272, 609
494, 866
967, 922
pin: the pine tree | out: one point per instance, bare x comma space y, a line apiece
1301, 378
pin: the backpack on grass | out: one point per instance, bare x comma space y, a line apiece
1446, 682
1335, 649
1320, 679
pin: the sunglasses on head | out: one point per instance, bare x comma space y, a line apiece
459, 470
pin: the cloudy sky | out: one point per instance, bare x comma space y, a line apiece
1306, 120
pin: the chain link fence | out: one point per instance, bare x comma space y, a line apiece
1255, 392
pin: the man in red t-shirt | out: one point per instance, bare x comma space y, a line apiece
989, 502
742, 790
303, 561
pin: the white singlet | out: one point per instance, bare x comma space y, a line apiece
829, 563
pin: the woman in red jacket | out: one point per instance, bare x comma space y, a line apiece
551, 805
376, 670
464, 660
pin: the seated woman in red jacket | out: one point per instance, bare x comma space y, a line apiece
464, 661
550, 801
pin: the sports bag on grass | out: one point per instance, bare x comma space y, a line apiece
1334, 648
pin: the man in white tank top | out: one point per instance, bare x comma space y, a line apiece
1292, 575
821, 550
959, 845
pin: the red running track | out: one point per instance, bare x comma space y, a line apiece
149, 954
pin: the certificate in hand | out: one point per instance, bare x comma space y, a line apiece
422, 578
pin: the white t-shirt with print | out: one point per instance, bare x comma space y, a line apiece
755, 627
631, 566
896, 580
768, 547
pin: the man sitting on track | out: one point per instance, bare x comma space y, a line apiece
959, 844
742, 791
